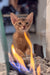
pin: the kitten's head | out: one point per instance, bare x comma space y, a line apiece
21, 24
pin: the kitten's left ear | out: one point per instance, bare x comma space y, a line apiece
13, 17
30, 17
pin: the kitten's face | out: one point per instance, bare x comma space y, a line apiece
22, 24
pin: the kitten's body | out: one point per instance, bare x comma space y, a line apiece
19, 41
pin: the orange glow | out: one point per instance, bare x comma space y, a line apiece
32, 64
17, 57
38, 70
21, 61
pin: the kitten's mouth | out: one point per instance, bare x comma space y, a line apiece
24, 27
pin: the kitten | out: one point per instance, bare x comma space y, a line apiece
21, 25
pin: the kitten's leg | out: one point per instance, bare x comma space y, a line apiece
28, 52
18, 51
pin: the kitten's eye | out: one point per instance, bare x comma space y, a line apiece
19, 23
27, 23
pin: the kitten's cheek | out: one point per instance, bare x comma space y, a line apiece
21, 27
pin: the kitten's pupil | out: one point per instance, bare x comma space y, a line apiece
19, 23
26, 22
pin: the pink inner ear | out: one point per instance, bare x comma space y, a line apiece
30, 17
14, 21
14, 18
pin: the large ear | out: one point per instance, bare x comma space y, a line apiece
30, 17
13, 17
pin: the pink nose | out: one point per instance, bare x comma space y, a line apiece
24, 27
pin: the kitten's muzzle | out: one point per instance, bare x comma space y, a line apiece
23, 27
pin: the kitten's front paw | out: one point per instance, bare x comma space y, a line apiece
20, 53
27, 53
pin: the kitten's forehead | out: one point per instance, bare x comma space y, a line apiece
22, 19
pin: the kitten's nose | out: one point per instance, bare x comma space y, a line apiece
24, 27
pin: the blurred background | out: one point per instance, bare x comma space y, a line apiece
37, 31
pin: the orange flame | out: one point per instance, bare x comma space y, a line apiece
17, 57
32, 65
21, 61
38, 70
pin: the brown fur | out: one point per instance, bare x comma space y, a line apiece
19, 41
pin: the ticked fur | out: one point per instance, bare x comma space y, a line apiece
21, 25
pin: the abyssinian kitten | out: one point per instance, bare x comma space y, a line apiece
21, 25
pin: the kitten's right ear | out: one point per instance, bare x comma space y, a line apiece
13, 17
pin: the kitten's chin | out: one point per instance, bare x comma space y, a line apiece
23, 31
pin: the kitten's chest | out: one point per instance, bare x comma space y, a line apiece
21, 42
